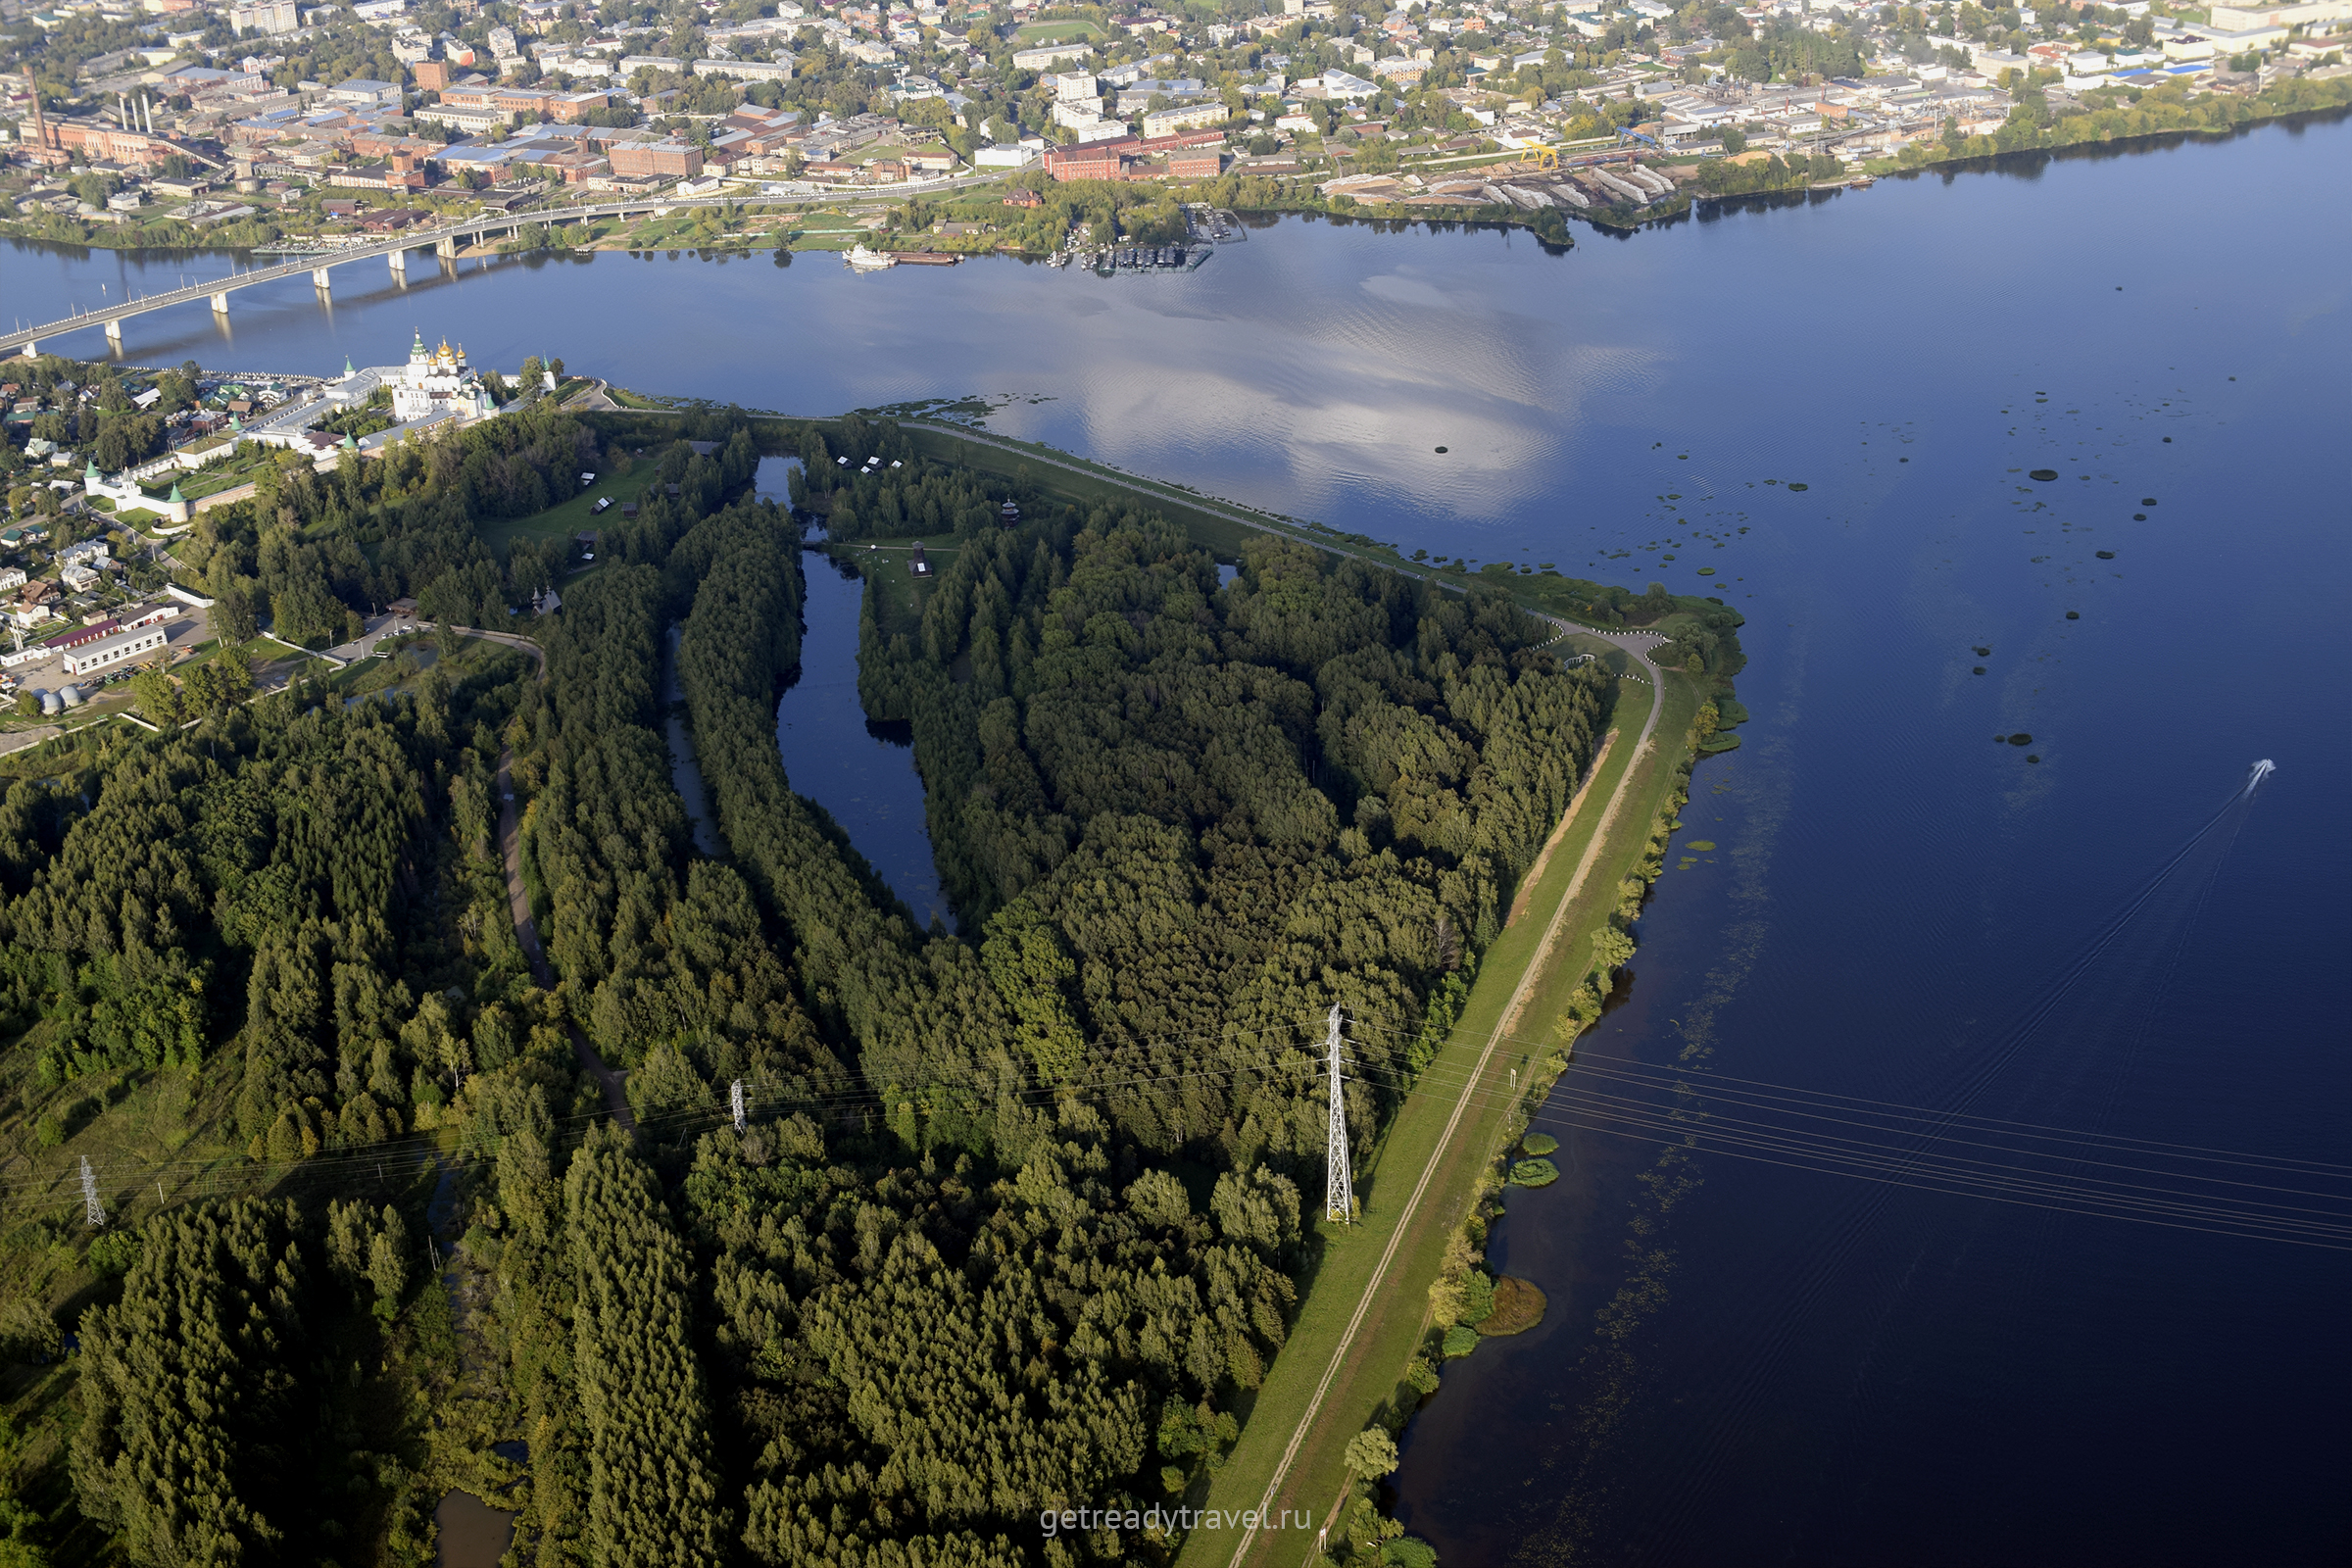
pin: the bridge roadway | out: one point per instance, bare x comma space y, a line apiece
443, 241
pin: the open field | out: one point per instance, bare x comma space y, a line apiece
567, 518
1045, 32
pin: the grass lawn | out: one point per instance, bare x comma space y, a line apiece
889, 568
227, 474
567, 518
1043, 32
1370, 1373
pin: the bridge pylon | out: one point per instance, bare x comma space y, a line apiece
221, 303
114, 332
319, 278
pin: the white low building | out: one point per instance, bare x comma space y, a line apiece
113, 653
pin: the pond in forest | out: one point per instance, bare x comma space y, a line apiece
860, 772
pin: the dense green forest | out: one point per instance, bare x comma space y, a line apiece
1013, 1222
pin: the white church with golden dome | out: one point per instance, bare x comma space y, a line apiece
436, 383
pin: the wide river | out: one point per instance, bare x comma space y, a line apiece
2104, 966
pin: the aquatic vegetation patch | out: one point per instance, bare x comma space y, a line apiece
2021, 738
2044, 475
2106, 555
1539, 1144
1703, 846
1534, 1173
2074, 614
1793, 485
1518, 1306
1983, 653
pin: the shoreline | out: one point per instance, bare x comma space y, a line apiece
1977, 152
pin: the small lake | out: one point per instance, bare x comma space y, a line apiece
860, 772
473, 1534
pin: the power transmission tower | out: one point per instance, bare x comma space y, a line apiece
91, 1208
735, 1097
1339, 1191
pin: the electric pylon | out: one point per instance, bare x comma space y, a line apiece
735, 1099
1339, 1191
92, 1209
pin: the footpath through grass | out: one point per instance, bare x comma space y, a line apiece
1471, 1073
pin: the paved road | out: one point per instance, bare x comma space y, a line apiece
527, 932
1474, 1086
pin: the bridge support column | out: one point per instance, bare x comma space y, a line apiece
114, 333
400, 265
319, 277
32, 350
221, 304
446, 245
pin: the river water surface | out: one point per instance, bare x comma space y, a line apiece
1808, 1367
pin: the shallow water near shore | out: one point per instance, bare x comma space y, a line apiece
1807, 1367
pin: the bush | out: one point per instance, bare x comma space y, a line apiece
1539, 1143
1535, 1173
1478, 1297
1460, 1341
49, 1131
28, 1333
113, 1252
1408, 1552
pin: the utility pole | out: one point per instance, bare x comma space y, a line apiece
92, 1209
1339, 1191
735, 1099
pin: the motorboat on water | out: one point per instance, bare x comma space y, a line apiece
863, 260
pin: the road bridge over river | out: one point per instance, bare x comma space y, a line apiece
442, 241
